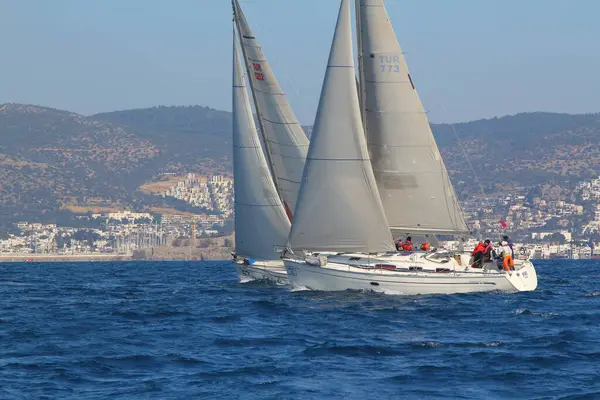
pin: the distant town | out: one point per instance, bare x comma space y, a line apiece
547, 222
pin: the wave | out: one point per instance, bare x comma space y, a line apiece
351, 351
181, 359
428, 344
479, 344
251, 370
139, 315
248, 342
224, 319
522, 311
299, 289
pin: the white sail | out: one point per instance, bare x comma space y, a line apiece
285, 141
412, 179
339, 208
260, 219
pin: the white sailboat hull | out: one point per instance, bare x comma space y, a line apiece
336, 276
270, 271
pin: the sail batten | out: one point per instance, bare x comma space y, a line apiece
260, 218
412, 179
339, 208
286, 143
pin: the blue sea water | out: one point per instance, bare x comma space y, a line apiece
187, 330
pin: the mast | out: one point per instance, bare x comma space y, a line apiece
361, 75
256, 106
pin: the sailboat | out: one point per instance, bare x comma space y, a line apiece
373, 168
266, 183
260, 218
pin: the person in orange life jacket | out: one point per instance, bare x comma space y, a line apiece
406, 245
487, 250
478, 255
425, 247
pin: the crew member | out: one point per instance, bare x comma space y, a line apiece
510, 244
487, 250
507, 259
406, 245
425, 246
478, 255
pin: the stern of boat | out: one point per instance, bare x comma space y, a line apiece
524, 278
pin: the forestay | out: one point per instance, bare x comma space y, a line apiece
285, 140
260, 219
339, 208
413, 182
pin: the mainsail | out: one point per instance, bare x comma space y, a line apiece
260, 219
285, 141
412, 179
339, 208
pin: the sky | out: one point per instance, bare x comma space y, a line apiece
469, 59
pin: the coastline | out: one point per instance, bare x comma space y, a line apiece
64, 257
159, 253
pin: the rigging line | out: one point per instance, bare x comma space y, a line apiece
464, 151
296, 92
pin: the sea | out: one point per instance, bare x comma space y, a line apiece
190, 330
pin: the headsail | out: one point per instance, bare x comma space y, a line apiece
260, 219
411, 176
285, 141
339, 208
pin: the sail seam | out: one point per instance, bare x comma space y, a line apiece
271, 94
338, 159
287, 145
386, 82
288, 180
282, 123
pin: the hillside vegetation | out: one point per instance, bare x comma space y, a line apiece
52, 159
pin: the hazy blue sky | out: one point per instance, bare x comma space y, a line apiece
469, 58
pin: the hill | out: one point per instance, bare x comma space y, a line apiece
52, 159
524, 149
190, 138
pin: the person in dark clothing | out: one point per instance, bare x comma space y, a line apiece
398, 244
487, 251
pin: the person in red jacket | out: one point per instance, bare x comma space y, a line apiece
407, 245
478, 255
